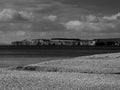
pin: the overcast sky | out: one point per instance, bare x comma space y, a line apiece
85, 19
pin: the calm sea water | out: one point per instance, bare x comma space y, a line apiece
19, 61
16, 58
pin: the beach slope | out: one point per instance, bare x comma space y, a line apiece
96, 72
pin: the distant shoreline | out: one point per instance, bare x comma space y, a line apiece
54, 51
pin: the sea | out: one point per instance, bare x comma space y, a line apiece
11, 58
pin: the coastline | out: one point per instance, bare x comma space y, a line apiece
46, 75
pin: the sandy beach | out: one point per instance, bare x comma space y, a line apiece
96, 72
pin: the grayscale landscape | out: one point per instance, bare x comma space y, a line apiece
59, 44
96, 72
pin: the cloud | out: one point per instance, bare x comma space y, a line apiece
86, 26
79, 25
11, 14
20, 33
92, 18
54, 19
74, 25
113, 17
51, 17
94, 23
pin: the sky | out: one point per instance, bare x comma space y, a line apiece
84, 19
